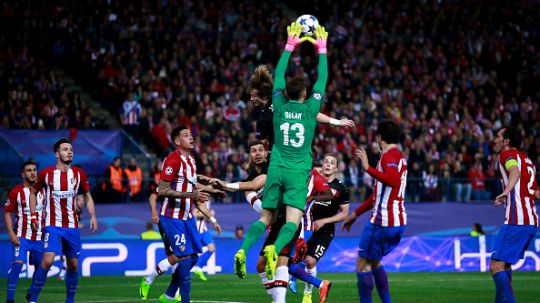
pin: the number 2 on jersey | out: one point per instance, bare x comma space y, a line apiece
295, 142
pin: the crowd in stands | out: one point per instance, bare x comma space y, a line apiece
450, 72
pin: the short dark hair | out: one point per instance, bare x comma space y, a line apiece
28, 162
256, 142
389, 131
176, 131
334, 155
513, 134
60, 142
295, 88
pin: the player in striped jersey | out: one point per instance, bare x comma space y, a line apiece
181, 191
22, 236
521, 221
388, 218
61, 184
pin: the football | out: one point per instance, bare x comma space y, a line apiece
308, 23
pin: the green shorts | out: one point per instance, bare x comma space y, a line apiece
287, 186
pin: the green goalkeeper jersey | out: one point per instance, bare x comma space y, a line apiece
294, 122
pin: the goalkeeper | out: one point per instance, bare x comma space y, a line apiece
294, 126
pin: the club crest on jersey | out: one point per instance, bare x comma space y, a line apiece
317, 96
7, 203
168, 170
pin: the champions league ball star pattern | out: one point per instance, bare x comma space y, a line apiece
308, 23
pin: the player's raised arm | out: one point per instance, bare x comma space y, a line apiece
293, 39
321, 36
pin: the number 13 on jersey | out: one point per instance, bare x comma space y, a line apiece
298, 139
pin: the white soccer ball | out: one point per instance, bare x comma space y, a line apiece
308, 23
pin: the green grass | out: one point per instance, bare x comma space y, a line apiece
405, 287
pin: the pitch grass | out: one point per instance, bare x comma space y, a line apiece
405, 288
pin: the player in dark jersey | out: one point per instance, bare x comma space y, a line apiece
253, 186
321, 217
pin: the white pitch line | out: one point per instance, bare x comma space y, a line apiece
194, 301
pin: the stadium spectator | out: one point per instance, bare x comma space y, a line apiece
448, 85
431, 184
115, 178
150, 233
462, 187
478, 182
130, 114
134, 177
477, 230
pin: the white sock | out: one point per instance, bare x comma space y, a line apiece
313, 272
177, 294
163, 265
265, 281
196, 268
282, 278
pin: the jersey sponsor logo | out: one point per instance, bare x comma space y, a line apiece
63, 194
317, 96
168, 170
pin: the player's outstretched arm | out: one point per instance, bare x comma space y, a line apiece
91, 211
165, 190
322, 118
205, 179
252, 185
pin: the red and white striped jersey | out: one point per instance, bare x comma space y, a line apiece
201, 222
181, 172
389, 191
316, 184
60, 190
131, 111
519, 209
18, 202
